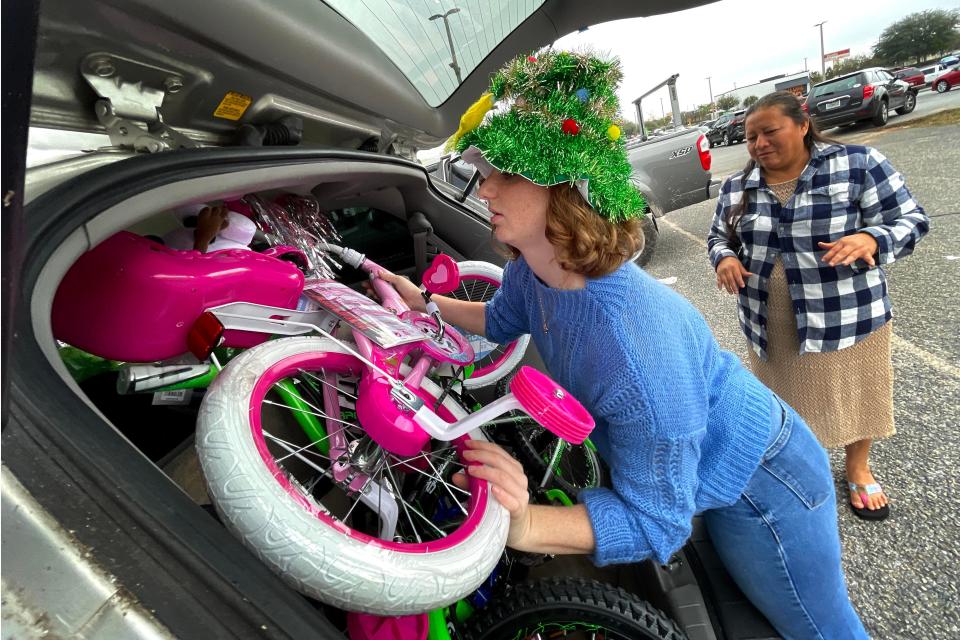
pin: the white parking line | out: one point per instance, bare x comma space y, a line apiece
927, 358
698, 240
934, 362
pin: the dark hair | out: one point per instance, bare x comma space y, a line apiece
586, 242
790, 106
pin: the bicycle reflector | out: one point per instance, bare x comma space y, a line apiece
205, 335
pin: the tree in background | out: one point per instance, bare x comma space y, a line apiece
849, 65
919, 35
725, 103
749, 100
657, 123
815, 77
629, 127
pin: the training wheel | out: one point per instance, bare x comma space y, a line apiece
551, 405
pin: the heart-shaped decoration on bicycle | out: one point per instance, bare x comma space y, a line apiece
443, 276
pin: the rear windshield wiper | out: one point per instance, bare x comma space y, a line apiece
471, 183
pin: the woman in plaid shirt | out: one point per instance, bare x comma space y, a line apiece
801, 235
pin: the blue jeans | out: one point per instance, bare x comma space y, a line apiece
780, 541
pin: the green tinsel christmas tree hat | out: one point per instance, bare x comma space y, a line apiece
557, 123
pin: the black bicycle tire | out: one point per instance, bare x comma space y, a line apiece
565, 602
521, 436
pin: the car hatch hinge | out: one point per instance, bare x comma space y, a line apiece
130, 110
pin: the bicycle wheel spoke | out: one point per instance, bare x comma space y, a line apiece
348, 425
293, 449
440, 531
406, 464
307, 446
306, 461
322, 381
403, 505
446, 486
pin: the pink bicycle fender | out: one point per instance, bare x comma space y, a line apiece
134, 300
366, 626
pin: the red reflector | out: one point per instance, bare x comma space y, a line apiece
868, 91
805, 108
204, 336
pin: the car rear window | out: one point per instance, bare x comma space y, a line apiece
423, 40
837, 86
910, 71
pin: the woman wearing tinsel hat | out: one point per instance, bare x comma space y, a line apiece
683, 426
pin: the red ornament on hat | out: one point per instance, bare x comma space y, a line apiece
531, 59
570, 127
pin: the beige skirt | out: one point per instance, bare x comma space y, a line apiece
844, 395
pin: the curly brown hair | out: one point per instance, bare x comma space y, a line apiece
585, 242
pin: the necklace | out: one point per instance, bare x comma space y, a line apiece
543, 314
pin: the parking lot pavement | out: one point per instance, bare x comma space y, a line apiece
903, 573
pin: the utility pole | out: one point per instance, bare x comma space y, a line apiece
713, 109
663, 114
453, 53
805, 65
823, 63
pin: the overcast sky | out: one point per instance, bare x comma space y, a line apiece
736, 42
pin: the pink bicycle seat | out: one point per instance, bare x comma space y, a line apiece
442, 276
552, 406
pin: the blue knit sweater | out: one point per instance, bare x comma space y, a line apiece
681, 423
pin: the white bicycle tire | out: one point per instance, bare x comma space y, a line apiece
479, 268
312, 556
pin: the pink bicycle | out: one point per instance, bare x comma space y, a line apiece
359, 512
365, 518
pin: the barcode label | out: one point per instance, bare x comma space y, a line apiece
179, 396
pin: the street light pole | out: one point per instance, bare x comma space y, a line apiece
823, 62
453, 53
710, 87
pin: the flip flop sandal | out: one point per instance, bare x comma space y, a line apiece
865, 491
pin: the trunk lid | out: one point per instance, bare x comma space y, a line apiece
377, 75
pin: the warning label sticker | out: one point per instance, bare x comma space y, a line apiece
233, 106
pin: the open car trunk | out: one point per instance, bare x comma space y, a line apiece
115, 471
103, 464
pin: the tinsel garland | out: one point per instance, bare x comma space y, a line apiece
533, 135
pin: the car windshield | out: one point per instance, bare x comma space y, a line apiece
842, 84
435, 48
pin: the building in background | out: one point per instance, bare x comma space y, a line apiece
797, 83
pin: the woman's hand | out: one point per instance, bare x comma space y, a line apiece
731, 274
407, 290
210, 221
507, 481
849, 249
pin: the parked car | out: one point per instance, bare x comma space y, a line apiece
911, 75
931, 71
868, 94
946, 81
727, 129
104, 534
950, 61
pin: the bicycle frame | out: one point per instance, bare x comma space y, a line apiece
392, 409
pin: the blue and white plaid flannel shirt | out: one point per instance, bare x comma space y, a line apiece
844, 189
